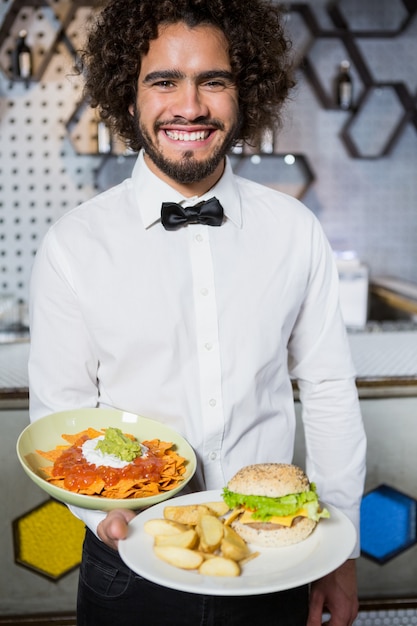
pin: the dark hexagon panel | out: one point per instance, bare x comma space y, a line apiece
113, 169
377, 125
388, 524
289, 173
300, 24
84, 133
44, 30
82, 129
76, 17
373, 17
322, 64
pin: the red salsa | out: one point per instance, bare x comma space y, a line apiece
78, 474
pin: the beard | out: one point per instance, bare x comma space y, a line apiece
188, 169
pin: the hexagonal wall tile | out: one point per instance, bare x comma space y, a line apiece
290, 173
43, 28
388, 523
48, 540
376, 126
322, 64
385, 16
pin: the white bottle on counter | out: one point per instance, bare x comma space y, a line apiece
354, 289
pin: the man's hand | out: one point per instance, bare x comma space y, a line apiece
114, 526
336, 594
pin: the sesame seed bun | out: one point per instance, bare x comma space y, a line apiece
269, 479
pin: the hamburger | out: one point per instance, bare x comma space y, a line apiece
274, 504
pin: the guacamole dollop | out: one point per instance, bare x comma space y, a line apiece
118, 444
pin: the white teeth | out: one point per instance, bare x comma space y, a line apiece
184, 136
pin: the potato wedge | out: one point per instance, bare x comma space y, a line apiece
187, 539
188, 514
251, 555
159, 527
179, 557
233, 546
208, 555
210, 529
233, 515
219, 566
218, 508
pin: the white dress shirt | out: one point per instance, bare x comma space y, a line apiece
201, 328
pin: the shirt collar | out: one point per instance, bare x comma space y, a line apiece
150, 191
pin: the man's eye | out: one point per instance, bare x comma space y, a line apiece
164, 84
215, 84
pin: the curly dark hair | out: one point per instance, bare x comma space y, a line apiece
258, 47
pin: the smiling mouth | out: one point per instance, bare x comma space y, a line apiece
181, 135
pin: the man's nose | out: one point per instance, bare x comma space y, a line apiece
189, 103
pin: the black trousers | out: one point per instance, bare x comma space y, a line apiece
110, 594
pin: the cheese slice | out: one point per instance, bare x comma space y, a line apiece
283, 520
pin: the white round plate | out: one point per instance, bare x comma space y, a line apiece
275, 569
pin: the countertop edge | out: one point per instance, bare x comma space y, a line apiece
368, 387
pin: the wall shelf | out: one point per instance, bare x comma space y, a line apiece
44, 31
351, 24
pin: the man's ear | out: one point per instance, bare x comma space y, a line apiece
131, 109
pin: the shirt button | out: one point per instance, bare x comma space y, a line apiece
213, 456
212, 402
204, 291
208, 346
199, 238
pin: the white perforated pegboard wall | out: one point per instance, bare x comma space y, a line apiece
48, 165
41, 175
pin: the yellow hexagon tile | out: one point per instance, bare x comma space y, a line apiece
48, 540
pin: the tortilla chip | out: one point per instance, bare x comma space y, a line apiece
52, 455
89, 433
170, 476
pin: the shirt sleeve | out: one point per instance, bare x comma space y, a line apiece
320, 360
90, 517
335, 444
62, 365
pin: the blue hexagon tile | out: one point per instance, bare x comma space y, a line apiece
388, 523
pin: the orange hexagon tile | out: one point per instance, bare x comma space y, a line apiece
48, 540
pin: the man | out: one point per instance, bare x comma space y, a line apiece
199, 325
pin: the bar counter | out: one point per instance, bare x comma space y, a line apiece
385, 358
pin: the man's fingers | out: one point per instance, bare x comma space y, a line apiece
114, 527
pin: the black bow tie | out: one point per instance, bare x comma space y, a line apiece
174, 215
